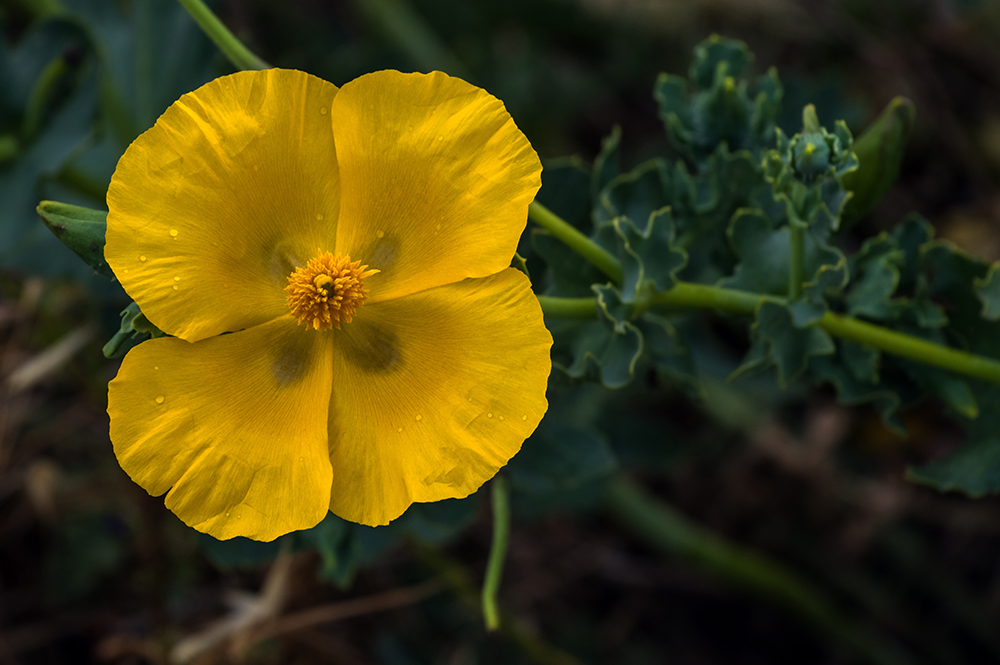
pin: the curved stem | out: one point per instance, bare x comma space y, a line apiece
498, 552
232, 48
581, 244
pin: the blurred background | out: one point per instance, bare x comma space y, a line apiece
92, 570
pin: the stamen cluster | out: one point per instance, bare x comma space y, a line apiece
328, 290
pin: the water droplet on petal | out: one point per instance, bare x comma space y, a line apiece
322, 110
143, 258
177, 279
175, 287
227, 514
156, 367
489, 415
400, 429
524, 417
159, 399
440, 138
501, 417
319, 216
126, 270
173, 233
380, 234
419, 418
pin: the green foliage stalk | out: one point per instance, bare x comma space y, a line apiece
238, 54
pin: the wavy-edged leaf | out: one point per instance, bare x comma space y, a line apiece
636, 194
874, 279
648, 255
606, 350
789, 347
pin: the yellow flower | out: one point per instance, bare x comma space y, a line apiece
356, 244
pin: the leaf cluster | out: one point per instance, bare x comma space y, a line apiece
741, 205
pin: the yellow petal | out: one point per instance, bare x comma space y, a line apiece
212, 208
236, 425
433, 393
436, 180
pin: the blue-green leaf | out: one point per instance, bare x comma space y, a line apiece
787, 346
648, 255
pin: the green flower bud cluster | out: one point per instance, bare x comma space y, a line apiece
806, 171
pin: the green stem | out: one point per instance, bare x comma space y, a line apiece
232, 48
797, 262
578, 242
531, 642
568, 308
702, 296
665, 529
498, 552
911, 347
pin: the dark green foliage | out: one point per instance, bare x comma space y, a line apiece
778, 341
649, 258
715, 108
723, 214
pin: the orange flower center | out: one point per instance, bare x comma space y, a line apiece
330, 289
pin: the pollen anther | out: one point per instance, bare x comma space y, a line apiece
328, 290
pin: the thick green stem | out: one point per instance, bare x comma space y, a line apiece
232, 48
663, 528
498, 552
702, 296
578, 242
568, 308
911, 347
797, 260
